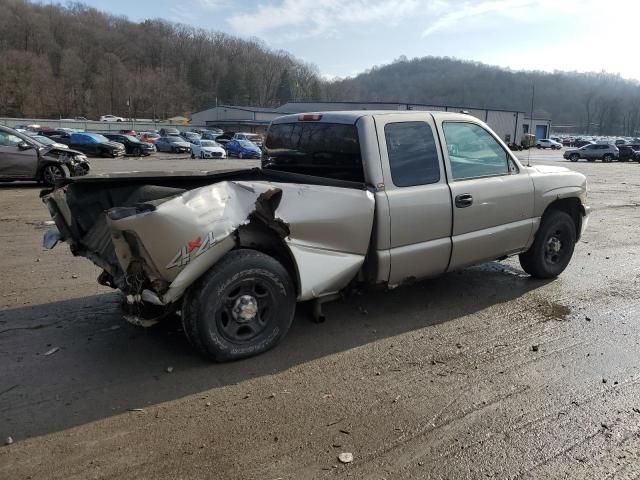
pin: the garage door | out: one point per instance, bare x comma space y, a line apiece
541, 131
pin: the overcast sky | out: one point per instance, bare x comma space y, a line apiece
345, 37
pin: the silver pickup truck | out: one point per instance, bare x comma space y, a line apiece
342, 199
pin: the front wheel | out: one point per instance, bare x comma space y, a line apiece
552, 248
51, 173
607, 158
574, 157
240, 156
242, 307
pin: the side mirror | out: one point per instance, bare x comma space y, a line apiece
24, 146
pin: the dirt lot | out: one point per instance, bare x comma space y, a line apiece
483, 373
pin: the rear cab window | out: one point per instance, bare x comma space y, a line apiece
413, 154
324, 149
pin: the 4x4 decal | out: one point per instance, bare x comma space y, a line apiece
192, 250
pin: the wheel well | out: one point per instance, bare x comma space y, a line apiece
258, 236
571, 206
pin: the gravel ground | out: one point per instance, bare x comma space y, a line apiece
478, 374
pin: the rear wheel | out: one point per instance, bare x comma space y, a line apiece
240, 156
552, 248
242, 307
137, 152
202, 155
607, 158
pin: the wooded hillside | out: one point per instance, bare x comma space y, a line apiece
596, 103
58, 61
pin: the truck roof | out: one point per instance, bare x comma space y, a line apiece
352, 116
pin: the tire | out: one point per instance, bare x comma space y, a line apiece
211, 318
51, 173
202, 155
137, 152
193, 155
240, 156
538, 147
574, 157
552, 248
607, 158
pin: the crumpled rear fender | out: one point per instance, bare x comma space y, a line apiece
326, 229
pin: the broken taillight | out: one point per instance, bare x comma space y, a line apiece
310, 117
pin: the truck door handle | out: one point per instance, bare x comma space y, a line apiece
464, 200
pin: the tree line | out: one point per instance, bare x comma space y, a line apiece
64, 61
591, 103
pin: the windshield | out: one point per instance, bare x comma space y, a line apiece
131, 138
247, 144
175, 139
208, 143
98, 137
324, 149
151, 135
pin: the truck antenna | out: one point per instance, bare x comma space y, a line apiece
533, 94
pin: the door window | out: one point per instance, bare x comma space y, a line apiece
473, 152
9, 140
413, 155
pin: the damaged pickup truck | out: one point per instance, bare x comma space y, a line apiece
342, 199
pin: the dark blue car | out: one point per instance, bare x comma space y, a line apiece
243, 149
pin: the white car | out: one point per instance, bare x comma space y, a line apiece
111, 118
207, 149
548, 143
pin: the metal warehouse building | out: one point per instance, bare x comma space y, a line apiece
508, 124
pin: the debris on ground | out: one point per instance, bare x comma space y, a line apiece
135, 409
534, 348
169, 369
345, 457
50, 352
604, 380
74, 275
8, 441
208, 404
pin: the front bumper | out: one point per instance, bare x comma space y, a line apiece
586, 211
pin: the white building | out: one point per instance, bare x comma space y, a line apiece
508, 124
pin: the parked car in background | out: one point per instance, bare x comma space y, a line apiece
582, 143
207, 149
567, 142
173, 144
243, 149
592, 152
95, 144
24, 158
148, 137
619, 141
629, 152
48, 142
223, 139
190, 136
169, 131
548, 143
252, 137
111, 118
211, 135
132, 145
128, 131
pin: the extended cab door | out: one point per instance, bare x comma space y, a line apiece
493, 197
418, 196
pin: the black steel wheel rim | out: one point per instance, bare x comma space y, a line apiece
555, 246
231, 323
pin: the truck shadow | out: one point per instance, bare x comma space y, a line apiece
104, 366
